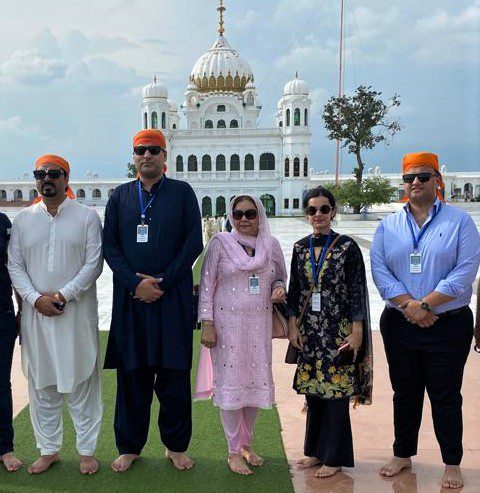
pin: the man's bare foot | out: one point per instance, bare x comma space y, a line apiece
307, 462
327, 471
251, 457
180, 460
88, 464
124, 462
238, 465
43, 463
11, 462
452, 477
395, 466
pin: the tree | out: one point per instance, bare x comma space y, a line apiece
361, 122
131, 170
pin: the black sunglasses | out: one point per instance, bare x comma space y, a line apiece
141, 150
422, 177
324, 209
53, 174
249, 214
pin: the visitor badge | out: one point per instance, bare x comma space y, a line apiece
254, 284
415, 263
316, 302
142, 233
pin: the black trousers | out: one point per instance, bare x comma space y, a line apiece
7, 342
132, 411
433, 359
328, 435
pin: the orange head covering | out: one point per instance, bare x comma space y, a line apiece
152, 137
429, 159
61, 163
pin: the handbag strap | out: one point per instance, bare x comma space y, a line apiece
307, 299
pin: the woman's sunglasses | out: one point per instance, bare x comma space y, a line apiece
249, 214
422, 177
141, 150
53, 174
324, 209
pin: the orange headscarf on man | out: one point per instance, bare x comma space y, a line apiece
150, 137
429, 159
61, 163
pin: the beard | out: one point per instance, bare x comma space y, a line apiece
48, 190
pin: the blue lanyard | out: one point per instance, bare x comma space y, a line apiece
143, 207
316, 268
416, 239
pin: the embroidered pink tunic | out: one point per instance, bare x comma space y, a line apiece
242, 357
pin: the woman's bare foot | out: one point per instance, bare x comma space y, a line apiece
11, 462
180, 460
307, 462
395, 466
238, 465
251, 457
124, 462
88, 464
43, 463
327, 471
452, 477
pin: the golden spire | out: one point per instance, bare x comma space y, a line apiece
221, 9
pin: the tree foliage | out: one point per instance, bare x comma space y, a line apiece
373, 190
131, 170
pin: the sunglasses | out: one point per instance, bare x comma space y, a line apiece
324, 209
53, 174
249, 214
141, 150
422, 177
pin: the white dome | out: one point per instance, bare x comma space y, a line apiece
295, 86
250, 85
154, 90
221, 60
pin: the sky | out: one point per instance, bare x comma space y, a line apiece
71, 72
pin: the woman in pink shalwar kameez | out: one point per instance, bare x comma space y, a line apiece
243, 274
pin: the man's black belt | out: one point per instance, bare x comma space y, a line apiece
450, 313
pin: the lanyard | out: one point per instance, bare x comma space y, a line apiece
316, 268
143, 207
416, 239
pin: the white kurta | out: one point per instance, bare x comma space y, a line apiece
61, 253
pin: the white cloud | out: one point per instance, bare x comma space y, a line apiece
14, 125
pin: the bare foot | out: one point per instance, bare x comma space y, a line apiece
180, 460
43, 463
88, 464
395, 466
124, 462
251, 457
11, 462
452, 477
327, 471
307, 463
238, 465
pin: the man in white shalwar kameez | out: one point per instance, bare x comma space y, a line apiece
54, 260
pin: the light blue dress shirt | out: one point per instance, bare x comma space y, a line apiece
450, 250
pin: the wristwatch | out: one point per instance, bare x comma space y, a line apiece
425, 305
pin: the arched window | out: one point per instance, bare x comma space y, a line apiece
296, 167
250, 99
206, 206
96, 194
296, 117
220, 163
208, 124
110, 192
221, 124
3, 195
145, 120
280, 124
33, 194
164, 120
220, 206
306, 117
234, 162
154, 120
287, 117
305, 166
174, 126
234, 124
249, 163
192, 163
17, 195
267, 161
179, 164
287, 167
80, 193
206, 163
221, 107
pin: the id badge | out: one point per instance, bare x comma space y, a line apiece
316, 302
142, 233
254, 285
415, 263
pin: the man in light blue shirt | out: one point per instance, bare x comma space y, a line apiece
424, 262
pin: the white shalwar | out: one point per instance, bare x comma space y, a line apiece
61, 253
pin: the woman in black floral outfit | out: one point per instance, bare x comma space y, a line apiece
333, 338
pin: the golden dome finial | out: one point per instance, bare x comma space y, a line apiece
221, 9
